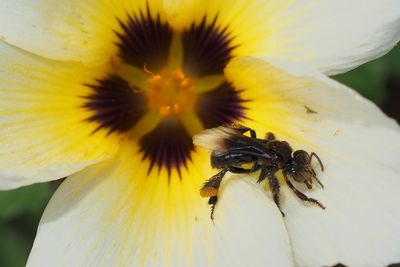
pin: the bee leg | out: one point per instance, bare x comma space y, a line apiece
212, 201
308, 184
300, 195
270, 137
210, 189
253, 133
273, 186
262, 176
254, 168
211, 186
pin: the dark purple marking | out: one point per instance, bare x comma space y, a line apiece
145, 41
169, 145
115, 105
206, 48
220, 106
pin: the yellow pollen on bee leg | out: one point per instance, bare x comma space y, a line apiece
208, 192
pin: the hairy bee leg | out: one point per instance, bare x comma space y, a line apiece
211, 186
262, 176
300, 195
273, 186
212, 201
210, 189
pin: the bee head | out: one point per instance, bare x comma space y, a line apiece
300, 169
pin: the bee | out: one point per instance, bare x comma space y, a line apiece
231, 149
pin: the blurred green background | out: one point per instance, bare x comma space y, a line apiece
20, 209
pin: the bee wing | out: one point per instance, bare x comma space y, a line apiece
214, 139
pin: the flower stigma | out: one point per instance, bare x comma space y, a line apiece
170, 92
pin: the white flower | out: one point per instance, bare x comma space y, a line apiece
109, 93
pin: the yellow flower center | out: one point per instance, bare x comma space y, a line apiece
164, 86
170, 92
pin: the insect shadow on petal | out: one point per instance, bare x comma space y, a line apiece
231, 149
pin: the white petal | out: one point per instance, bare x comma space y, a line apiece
43, 133
115, 214
335, 36
67, 30
359, 147
331, 36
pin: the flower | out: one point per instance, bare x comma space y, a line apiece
110, 93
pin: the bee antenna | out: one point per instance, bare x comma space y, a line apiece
318, 181
319, 160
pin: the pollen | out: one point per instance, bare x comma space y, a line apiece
170, 92
208, 192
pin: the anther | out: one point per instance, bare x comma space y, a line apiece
177, 108
165, 110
